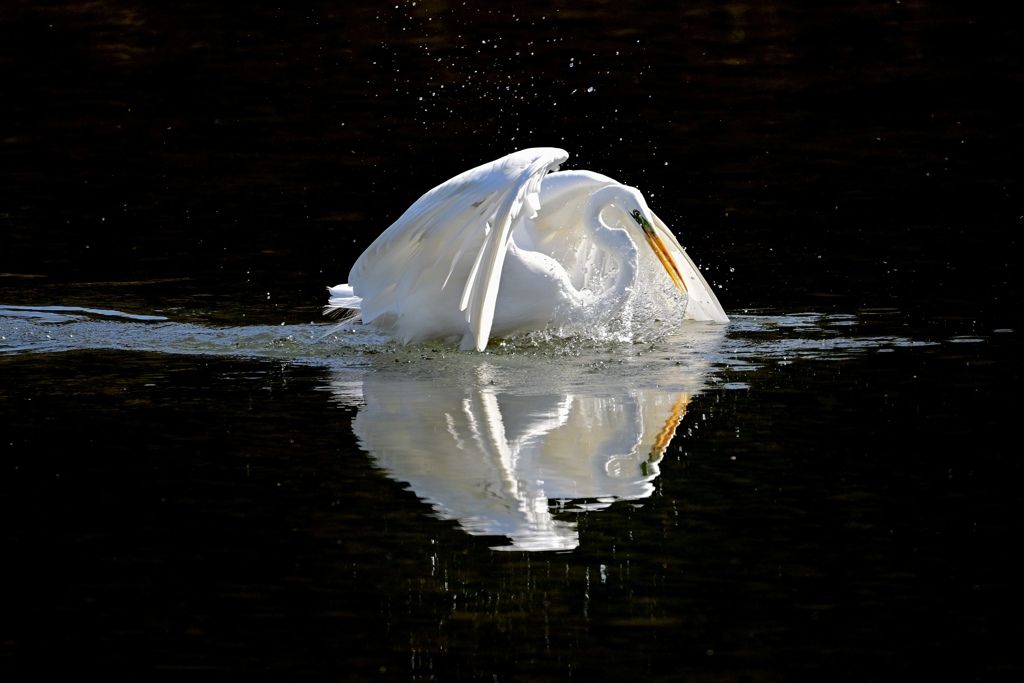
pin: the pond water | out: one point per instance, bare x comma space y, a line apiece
202, 475
781, 496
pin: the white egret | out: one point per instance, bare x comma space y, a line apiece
516, 246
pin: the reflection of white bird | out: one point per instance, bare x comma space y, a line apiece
509, 247
518, 446
503, 463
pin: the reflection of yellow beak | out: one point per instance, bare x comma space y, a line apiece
664, 437
663, 255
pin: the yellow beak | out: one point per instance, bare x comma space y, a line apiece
663, 254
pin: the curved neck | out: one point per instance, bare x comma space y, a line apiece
605, 213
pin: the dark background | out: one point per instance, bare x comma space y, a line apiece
824, 157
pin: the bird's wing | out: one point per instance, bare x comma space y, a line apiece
468, 217
701, 304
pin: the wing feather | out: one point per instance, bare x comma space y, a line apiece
525, 171
701, 304
466, 220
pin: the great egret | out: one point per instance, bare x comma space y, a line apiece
514, 246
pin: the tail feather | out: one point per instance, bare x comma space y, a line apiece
343, 303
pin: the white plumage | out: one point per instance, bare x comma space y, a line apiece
514, 246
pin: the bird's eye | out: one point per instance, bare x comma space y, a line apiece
636, 216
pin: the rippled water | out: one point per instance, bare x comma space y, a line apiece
784, 494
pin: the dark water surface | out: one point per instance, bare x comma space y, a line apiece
197, 475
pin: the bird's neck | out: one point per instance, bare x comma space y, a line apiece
612, 233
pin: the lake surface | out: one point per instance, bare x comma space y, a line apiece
202, 475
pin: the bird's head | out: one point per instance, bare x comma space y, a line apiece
633, 207
646, 222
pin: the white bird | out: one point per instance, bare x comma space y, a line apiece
515, 246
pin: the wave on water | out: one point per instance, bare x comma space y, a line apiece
54, 329
749, 339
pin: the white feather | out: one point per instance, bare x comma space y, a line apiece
510, 246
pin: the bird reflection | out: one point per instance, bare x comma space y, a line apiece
498, 448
